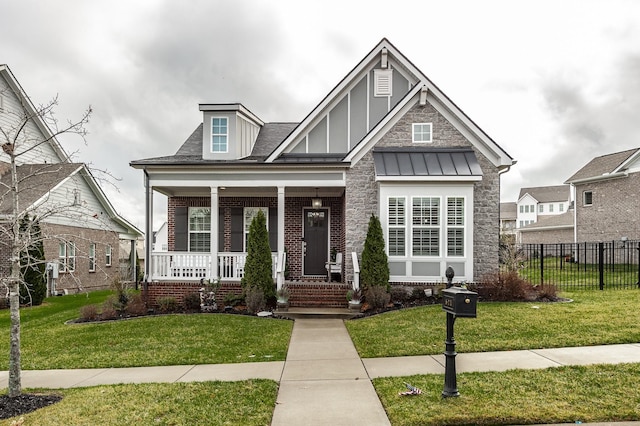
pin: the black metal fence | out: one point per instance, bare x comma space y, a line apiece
603, 265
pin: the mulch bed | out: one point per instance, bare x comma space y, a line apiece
25, 403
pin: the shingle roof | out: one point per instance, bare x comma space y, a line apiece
270, 136
426, 162
35, 181
602, 165
508, 210
559, 220
547, 194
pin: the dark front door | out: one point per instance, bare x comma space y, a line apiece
316, 236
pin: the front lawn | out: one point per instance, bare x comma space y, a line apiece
599, 393
248, 402
593, 318
49, 343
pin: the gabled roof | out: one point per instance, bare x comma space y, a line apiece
547, 194
31, 109
605, 166
424, 87
36, 181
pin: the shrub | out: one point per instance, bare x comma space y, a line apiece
374, 270
136, 305
255, 299
32, 264
109, 310
192, 301
231, 299
401, 294
377, 297
258, 266
89, 312
167, 304
505, 287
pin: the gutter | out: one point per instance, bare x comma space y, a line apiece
606, 176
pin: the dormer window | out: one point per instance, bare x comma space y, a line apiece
219, 134
422, 133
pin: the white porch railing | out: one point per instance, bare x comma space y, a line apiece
188, 266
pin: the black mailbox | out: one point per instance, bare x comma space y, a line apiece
460, 301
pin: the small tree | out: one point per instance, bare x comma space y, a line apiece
374, 270
32, 263
258, 266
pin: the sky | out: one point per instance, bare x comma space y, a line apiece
553, 82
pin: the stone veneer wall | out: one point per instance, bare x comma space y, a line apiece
361, 194
615, 212
555, 236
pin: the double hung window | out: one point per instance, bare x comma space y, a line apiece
219, 134
199, 229
67, 256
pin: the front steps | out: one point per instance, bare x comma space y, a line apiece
317, 294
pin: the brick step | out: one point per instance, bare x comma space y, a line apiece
317, 294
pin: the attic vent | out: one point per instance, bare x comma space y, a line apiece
383, 82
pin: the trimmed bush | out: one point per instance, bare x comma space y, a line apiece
510, 287
89, 312
136, 305
377, 297
374, 270
258, 266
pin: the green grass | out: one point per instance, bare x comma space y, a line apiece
561, 273
593, 318
600, 393
48, 343
248, 402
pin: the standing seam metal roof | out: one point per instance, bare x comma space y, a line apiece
426, 162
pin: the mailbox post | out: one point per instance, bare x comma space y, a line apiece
456, 302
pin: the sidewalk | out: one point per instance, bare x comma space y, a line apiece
323, 381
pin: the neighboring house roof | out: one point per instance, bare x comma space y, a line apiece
31, 110
605, 166
426, 162
37, 181
508, 211
547, 194
564, 220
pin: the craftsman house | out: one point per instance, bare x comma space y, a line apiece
80, 228
384, 141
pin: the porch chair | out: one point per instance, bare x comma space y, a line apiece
334, 267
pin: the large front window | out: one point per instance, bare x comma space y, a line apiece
199, 229
219, 134
426, 223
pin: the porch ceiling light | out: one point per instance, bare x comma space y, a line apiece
316, 202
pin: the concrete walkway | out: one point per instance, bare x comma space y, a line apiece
323, 381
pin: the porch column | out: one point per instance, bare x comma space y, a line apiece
213, 272
280, 219
148, 232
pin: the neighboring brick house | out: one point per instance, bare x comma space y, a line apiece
384, 141
607, 198
81, 230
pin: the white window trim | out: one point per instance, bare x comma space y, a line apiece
226, 135
200, 231
414, 126
62, 257
108, 255
403, 226
92, 257
463, 227
412, 226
